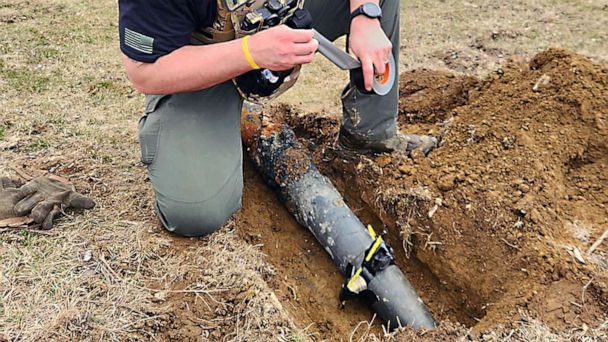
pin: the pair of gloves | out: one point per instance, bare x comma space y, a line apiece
40, 200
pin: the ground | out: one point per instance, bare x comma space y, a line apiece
489, 229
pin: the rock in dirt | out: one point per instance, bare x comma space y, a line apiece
447, 183
88, 255
383, 161
407, 170
544, 80
160, 297
535, 216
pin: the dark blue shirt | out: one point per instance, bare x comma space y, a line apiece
150, 29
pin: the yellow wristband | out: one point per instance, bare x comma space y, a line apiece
248, 57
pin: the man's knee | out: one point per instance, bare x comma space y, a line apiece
198, 219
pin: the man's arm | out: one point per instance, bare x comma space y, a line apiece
369, 43
189, 68
192, 68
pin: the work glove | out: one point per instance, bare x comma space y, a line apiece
9, 196
43, 199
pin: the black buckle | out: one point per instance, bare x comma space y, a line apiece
377, 257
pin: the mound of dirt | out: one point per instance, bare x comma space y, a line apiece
503, 215
428, 95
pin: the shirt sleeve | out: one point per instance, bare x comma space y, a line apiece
150, 29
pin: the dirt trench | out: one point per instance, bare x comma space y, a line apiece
307, 282
494, 225
497, 222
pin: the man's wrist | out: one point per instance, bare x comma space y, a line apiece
364, 21
247, 53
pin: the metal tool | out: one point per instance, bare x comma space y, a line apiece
382, 84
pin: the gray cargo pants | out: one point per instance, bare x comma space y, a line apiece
191, 142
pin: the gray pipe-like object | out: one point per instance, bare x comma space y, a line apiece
335, 55
316, 204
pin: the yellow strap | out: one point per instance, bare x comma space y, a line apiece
374, 248
371, 231
368, 257
248, 57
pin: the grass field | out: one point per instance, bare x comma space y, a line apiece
66, 107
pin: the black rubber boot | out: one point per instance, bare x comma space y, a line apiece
404, 143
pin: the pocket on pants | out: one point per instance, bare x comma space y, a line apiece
149, 129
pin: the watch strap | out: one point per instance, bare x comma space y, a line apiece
361, 11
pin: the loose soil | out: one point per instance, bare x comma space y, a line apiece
499, 219
307, 281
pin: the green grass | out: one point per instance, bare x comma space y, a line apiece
23, 79
57, 119
43, 54
38, 144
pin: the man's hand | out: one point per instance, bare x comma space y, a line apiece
369, 43
282, 48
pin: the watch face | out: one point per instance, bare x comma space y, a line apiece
372, 10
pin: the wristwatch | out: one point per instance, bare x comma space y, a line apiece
370, 10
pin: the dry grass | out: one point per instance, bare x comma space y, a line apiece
128, 287
535, 331
66, 107
526, 329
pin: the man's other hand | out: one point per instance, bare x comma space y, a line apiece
282, 48
371, 46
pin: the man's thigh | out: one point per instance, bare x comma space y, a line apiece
192, 146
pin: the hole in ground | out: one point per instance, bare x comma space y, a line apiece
444, 300
307, 282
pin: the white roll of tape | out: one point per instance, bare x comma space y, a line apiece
384, 83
